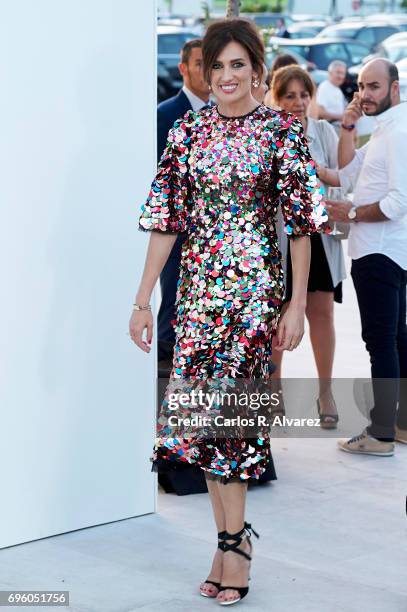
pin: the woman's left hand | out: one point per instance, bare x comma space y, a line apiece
290, 329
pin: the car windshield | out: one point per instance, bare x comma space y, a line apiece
302, 50
357, 53
171, 44
322, 55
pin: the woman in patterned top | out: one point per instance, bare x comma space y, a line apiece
225, 172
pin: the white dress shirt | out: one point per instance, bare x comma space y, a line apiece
331, 98
378, 173
194, 101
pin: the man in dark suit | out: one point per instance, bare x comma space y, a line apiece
193, 96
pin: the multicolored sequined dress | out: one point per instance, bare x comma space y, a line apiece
221, 180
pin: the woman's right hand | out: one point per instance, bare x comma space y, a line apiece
139, 321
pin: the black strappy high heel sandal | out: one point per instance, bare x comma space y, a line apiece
221, 537
238, 539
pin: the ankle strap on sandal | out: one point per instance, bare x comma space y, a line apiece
237, 537
248, 527
221, 537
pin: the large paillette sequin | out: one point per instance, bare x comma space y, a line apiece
221, 180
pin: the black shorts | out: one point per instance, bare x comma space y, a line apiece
320, 278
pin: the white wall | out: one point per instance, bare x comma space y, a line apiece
77, 113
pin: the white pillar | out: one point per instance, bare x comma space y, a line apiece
77, 154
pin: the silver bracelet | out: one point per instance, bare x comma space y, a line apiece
138, 307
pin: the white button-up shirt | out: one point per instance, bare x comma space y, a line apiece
194, 101
331, 98
378, 173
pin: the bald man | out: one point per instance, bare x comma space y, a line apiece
377, 175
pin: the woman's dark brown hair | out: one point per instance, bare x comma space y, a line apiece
283, 77
221, 33
281, 60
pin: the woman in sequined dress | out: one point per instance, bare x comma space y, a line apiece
225, 172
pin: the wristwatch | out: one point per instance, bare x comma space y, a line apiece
348, 127
352, 213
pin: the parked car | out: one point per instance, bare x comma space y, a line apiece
192, 24
371, 34
305, 29
170, 40
322, 52
268, 20
311, 17
396, 38
387, 17
395, 50
275, 50
317, 75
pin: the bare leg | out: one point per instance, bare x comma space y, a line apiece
320, 314
235, 567
216, 570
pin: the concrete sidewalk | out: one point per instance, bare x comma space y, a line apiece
333, 531
333, 538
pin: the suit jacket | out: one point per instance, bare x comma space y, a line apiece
167, 112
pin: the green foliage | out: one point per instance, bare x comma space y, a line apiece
262, 6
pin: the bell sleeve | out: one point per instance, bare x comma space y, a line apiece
168, 204
299, 191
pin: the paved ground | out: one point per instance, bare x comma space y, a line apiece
333, 532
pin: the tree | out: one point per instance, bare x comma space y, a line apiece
264, 6
232, 8
169, 4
